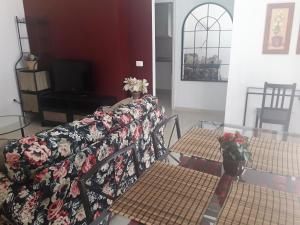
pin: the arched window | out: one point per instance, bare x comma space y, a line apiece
206, 44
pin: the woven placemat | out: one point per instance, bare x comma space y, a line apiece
201, 143
268, 155
274, 156
167, 194
250, 204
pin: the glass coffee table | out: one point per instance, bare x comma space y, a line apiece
12, 123
189, 185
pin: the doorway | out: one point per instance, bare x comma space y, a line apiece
164, 52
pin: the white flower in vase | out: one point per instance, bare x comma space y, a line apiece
136, 86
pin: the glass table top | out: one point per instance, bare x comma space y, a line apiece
11, 123
270, 173
269, 183
250, 131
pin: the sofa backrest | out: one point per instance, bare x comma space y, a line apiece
24, 157
137, 132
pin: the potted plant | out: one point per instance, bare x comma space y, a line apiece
277, 38
234, 148
31, 62
136, 86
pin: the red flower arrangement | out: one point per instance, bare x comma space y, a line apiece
234, 147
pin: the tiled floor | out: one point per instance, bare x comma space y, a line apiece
188, 117
34, 127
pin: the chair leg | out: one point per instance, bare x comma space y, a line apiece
256, 120
178, 128
286, 127
285, 132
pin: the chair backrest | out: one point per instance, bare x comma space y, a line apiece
278, 98
107, 176
279, 93
159, 133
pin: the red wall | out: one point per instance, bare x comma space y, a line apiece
140, 37
113, 34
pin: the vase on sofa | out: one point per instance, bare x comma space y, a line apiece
136, 94
136, 87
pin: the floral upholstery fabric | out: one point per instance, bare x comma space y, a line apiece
51, 193
5, 187
114, 179
26, 156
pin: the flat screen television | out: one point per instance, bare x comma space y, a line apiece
72, 76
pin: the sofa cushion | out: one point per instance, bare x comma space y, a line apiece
21, 204
23, 157
24, 207
64, 204
60, 201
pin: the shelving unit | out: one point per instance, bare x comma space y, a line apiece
31, 83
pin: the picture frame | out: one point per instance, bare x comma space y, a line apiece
278, 28
298, 43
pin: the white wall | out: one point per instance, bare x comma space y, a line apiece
164, 1
163, 20
195, 94
163, 32
9, 54
163, 75
249, 67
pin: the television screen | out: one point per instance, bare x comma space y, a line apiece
72, 76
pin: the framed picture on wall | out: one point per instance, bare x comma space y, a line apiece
278, 28
298, 44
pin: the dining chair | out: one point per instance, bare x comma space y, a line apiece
277, 105
159, 135
91, 185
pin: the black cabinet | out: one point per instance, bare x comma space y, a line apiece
57, 108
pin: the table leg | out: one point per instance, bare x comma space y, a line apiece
245, 109
22, 132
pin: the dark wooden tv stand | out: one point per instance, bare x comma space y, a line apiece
58, 108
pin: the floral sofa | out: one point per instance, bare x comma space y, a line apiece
41, 181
